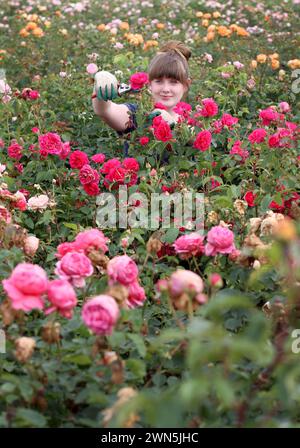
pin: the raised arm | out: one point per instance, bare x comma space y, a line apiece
105, 90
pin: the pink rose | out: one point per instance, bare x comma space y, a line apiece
88, 175
185, 281
122, 269
78, 159
50, 143
25, 286
98, 158
39, 202
100, 314
64, 248
215, 280
210, 108
257, 136
219, 240
188, 245
74, 267
203, 141
66, 149
91, 239
62, 296
91, 69
136, 295
284, 107
5, 215
138, 80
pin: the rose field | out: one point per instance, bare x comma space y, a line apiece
115, 315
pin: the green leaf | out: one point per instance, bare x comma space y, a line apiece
29, 418
171, 235
80, 360
139, 343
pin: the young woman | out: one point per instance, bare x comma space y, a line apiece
169, 81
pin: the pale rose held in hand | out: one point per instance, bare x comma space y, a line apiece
100, 314
74, 267
122, 269
220, 240
62, 296
39, 202
189, 245
26, 286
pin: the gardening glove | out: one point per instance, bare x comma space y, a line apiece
106, 86
165, 116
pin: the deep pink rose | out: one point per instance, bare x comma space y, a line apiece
109, 165
50, 143
25, 286
66, 149
78, 159
15, 150
131, 164
98, 158
210, 108
268, 116
33, 95
228, 120
184, 281
220, 240
91, 239
203, 141
92, 189
188, 245
116, 175
257, 136
122, 269
138, 80
74, 267
100, 314
88, 175
62, 296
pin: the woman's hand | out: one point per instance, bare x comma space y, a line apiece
106, 86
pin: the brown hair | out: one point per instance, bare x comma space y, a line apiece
171, 62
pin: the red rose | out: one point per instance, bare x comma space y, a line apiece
78, 159
144, 141
92, 189
203, 141
163, 132
249, 198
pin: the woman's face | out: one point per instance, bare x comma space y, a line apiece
167, 91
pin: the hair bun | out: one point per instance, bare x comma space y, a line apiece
177, 47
